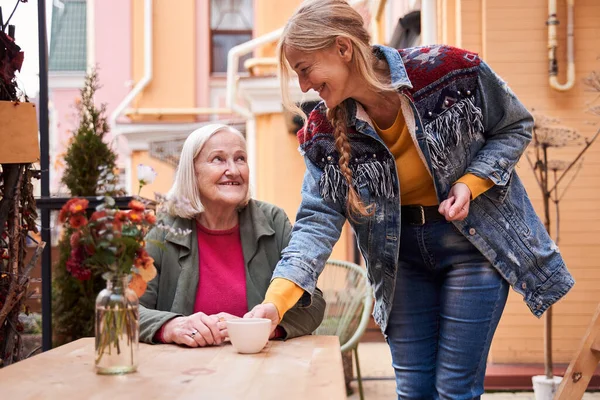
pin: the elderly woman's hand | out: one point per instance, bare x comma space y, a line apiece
222, 319
196, 330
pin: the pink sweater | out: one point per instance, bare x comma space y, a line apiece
222, 272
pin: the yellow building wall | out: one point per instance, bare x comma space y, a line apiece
511, 35
280, 169
173, 83
164, 179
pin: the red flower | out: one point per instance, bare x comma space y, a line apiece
75, 238
136, 205
150, 218
75, 265
78, 221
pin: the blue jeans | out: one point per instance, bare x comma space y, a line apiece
447, 305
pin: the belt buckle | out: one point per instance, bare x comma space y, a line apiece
422, 210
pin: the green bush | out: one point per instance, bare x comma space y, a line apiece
89, 166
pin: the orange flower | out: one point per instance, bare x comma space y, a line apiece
78, 221
150, 218
64, 211
135, 216
136, 205
138, 285
78, 206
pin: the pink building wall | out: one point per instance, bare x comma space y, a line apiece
63, 121
113, 53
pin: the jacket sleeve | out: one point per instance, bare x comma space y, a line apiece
317, 228
299, 320
152, 319
507, 128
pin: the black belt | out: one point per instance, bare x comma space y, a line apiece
420, 215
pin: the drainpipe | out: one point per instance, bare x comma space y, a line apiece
428, 22
553, 44
233, 59
91, 33
142, 83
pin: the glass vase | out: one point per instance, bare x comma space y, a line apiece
117, 328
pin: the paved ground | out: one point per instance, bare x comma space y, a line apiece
378, 382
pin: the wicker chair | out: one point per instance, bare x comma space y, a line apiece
349, 302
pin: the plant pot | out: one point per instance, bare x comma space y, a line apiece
19, 133
544, 388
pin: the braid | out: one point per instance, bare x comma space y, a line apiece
337, 117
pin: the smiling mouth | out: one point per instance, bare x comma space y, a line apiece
230, 184
321, 88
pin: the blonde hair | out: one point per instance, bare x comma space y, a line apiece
315, 26
185, 186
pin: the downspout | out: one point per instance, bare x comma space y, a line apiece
553, 44
142, 83
233, 59
91, 34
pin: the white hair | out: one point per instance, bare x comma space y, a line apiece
185, 187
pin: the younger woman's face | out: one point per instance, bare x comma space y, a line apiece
327, 71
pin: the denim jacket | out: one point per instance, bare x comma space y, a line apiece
463, 119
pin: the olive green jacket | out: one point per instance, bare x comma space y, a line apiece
264, 230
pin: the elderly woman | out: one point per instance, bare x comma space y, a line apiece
223, 268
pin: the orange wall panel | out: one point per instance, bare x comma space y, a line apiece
174, 33
164, 179
280, 170
516, 44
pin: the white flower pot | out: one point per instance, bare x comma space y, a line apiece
544, 388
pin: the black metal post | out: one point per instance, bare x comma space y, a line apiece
45, 168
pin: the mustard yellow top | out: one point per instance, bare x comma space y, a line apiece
416, 187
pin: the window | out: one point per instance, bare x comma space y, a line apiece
231, 23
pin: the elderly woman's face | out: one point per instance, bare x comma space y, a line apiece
221, 170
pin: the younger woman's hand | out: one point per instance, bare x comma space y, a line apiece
267, 310
456, 206
196, 330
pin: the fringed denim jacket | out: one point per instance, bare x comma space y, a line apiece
462, 118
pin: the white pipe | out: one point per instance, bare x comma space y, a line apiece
553, 44
251, 149
142, 83
428, 22
176, 111
233, 57
91, 33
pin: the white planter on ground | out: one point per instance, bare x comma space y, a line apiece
545, 388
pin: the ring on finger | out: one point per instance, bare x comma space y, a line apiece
193, 333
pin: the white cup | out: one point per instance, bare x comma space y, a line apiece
249, 335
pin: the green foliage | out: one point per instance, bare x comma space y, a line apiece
89, 166
89, 160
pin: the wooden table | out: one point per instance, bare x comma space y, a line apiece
308, 367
